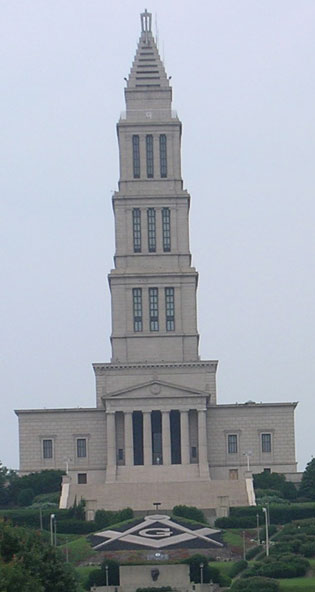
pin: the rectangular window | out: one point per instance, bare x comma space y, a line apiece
82, 478
154, 309
47, 448
120, 454
136, 226
232, 443
149, 150
151, 230
81, 447
266, 442
166, 229
136, 157
163, 156
170, 309
137, 309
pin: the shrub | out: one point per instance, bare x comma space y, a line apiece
308, 549
256, 584
105, 517
236, 522
209, 572
25, 497
190, 512
237, 568
98, 576
253, 552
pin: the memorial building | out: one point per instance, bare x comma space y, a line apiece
157, 433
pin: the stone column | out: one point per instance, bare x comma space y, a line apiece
128, 438
111, 446
202, 443
184, 438
166, 438
147, 438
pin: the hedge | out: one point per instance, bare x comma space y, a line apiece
245, 517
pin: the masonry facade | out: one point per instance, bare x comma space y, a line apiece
157, 429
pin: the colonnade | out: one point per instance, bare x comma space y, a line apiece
166, 457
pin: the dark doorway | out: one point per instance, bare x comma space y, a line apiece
137, 426
175, 437
156, 424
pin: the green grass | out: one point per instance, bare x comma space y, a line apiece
223, 566
297, 584
78, 550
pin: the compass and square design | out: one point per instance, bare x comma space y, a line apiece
157, 532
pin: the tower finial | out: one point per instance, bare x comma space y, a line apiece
146, 23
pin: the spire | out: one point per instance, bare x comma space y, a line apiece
147, 71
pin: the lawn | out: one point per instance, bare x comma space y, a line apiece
78, 550
297, 585
223, 566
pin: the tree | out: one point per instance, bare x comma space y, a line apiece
307, 488
276, 482
256, 584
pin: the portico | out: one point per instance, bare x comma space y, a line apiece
160, 426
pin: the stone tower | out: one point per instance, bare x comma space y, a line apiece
155, 390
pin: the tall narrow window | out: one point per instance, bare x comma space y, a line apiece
266, 442
81, 447
151, 230
47, 449
137, 309
170, 309
149, 149
166, 229
154, 309
136, 224
232, 443
136, 156
163, 156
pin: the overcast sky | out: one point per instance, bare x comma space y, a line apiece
243, 76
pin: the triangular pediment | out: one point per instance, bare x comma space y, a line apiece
155, 388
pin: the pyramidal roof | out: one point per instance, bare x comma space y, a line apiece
147, 70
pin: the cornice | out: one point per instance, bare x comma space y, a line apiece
112, 366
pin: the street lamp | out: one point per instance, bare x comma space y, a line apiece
201, 573
248, 455
244, 545
267, 531
106, 575
258, 537
53, 530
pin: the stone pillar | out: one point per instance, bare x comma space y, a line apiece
166, 438
184, 438
111, 446
128, 438
147, 438
202, 443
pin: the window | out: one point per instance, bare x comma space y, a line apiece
266, 442
82, 478
136, 156
232, 443
47, 448
151, 230
120, 454
154, 309
163, 156
149, 150
166, 229
170, 309
194, 452
267, 470
137, 309
233, 474
136, 226
81, 447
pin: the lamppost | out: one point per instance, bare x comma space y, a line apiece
248, 455
106, 575
201, 573
53, 530
267, 531
244, 545
258, 536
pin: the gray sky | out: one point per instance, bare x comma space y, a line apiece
243, 76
